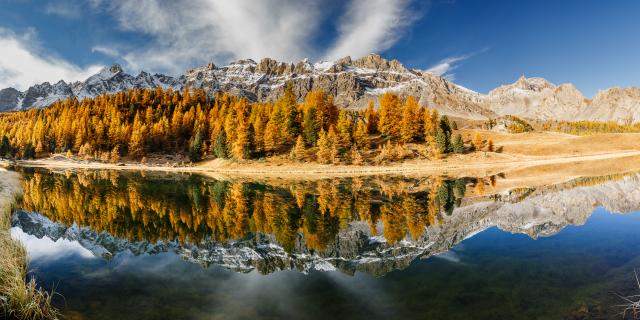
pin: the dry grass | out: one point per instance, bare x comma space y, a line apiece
631, 304
558, 144
19, 298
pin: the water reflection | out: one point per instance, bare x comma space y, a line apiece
142, 228
193, 209
371, 224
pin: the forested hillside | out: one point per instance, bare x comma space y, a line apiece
137, 123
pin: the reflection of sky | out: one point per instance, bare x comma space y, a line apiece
44, 249
499, 271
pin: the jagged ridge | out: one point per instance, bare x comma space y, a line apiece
353, 83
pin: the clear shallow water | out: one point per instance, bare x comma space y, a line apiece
492, 274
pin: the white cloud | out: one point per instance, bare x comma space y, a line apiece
64, 8
188, 33
445, 66
22, 64
195, 32
371, 26
107, 51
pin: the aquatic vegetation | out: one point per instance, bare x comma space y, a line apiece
19, 298
631, 303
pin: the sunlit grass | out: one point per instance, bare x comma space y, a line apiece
19, 298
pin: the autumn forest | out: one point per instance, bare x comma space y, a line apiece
142, 122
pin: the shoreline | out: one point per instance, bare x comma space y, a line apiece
20, 298
490, 162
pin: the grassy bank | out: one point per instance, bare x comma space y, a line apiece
19, 298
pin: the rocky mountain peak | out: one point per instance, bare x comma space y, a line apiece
115, 68
353, 83
272, 67
377, 62
533, 84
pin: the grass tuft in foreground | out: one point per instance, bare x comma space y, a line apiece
19, 298
631, 303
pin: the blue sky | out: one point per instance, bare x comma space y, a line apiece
478, 44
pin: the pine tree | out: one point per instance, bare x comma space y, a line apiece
478, 143
289, 110
430, 141
324, 147
458, 144
356, 157
272, 139
428, 127
136, 142
241, 147
220, 149
361, 136
29, 151
86, 151
344, 130
334, 141
114, 155
310, 127
389, 115
372, 119
410, 124
195, 147
5, 147
445, 125
326, 110
299, 149
442, 141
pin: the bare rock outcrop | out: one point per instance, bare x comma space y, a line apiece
353, 84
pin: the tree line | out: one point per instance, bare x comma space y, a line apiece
591, 127
139, 122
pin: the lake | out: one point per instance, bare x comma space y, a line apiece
139, 245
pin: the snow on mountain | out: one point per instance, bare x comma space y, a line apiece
106, 81
353, 83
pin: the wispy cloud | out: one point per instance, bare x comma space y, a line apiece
193, 32
64, 8
22, 63
107, 51
371, 26
187, 33
445, 66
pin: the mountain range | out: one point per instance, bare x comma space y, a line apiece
353, 83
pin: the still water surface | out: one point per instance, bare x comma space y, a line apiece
155, 246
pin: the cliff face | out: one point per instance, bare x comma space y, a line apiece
542, 212
353, 83
536, 98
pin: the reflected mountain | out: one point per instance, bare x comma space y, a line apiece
371, 224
